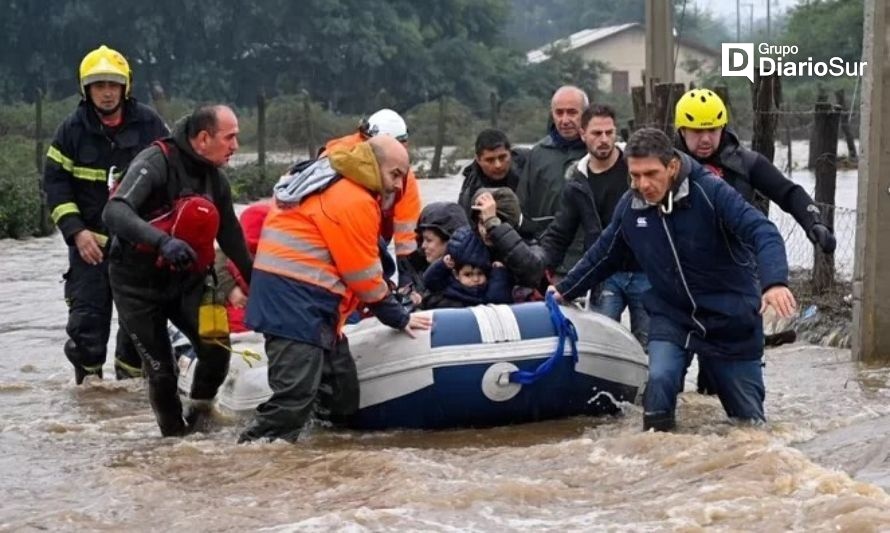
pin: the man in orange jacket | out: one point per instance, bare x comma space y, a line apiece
317, 261
399, 216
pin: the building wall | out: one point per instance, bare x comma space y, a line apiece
626, 51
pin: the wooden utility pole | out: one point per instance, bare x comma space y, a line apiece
659, 42
738, 20
871, 284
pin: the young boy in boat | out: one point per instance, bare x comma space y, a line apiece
466, 276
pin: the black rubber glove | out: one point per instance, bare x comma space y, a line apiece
177, 253
821, 235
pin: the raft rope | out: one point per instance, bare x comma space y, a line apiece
247, 354
565, 330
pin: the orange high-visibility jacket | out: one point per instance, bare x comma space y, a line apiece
329, 240
399, 222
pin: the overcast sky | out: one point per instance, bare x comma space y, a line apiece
725, 9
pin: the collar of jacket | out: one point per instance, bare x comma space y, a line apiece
727, 156
474, 170
680, 189
90, 117
582, 167
193, 162
359, 166
555, 141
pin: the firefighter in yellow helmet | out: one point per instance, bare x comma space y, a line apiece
91, 148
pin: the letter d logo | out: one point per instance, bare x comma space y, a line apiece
737, 59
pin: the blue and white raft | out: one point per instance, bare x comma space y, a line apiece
480, 366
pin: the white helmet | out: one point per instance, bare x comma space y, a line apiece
386, 122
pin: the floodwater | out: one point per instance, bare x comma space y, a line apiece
90, 457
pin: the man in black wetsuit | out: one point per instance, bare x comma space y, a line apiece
156, 276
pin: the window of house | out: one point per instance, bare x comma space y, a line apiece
620, 82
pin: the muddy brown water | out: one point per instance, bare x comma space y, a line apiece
90, 457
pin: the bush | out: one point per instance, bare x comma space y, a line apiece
524, 120
248, 183
21, 213
286, 123
461, 125
19, 119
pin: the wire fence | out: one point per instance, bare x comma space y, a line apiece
826, 308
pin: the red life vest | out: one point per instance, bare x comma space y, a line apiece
195, 220
192, 218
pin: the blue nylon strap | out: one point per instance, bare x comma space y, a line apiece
565, 330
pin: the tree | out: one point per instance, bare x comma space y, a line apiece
822, 29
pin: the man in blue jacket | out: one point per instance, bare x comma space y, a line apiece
714, 263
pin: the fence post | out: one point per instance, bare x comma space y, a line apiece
45, 227
765, 98
666, 96
821, 96
307, 120
39, 153
261, 131
827, 120
494, 109
638, 98
852, 156
789, 168
440, 141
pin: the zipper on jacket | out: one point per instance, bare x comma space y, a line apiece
682, 277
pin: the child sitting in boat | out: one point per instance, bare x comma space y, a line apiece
466, 275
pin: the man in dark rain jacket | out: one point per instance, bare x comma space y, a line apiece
548, 165
496, 165
714, 263
701, 121
91, 148
156, 276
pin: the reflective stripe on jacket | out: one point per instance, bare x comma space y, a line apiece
329, 241
81, 157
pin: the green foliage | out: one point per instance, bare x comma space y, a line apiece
249, 184
524, 119
20, 210
19, 118
460, 123
288, 125
826, 28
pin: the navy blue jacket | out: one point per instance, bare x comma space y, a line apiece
709, 259
78, 160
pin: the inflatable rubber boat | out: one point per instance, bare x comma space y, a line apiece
479, 366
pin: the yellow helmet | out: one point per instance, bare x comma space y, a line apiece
104, 64
700, 109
